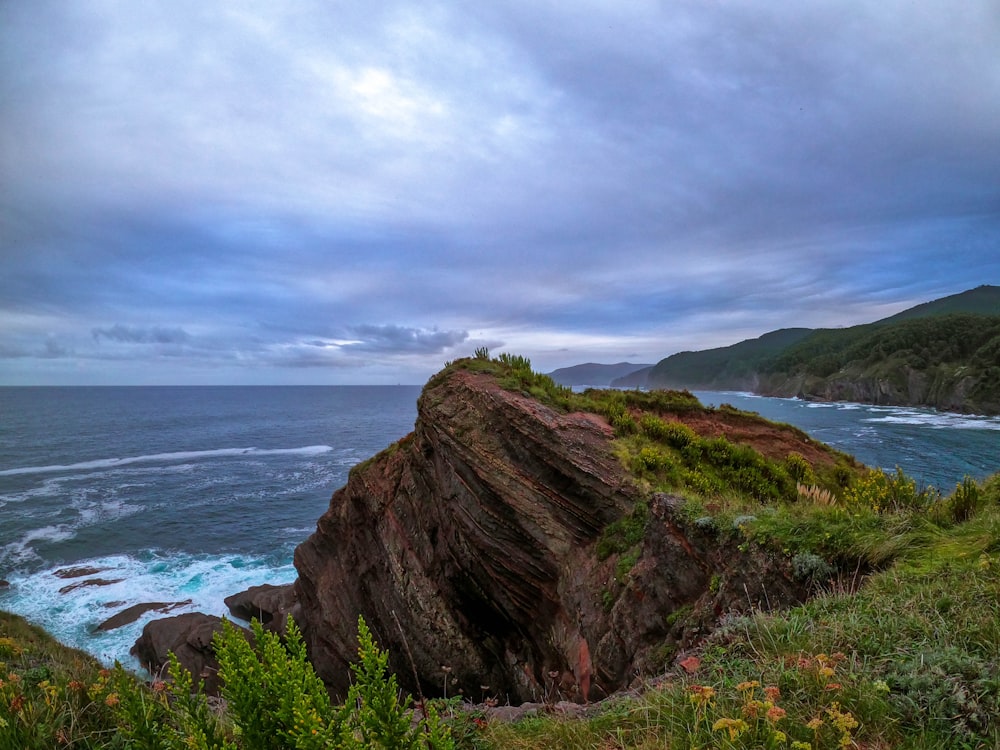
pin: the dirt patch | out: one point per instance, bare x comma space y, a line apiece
774, 441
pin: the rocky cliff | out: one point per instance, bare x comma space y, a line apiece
470, 547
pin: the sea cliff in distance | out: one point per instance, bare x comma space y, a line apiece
943, 354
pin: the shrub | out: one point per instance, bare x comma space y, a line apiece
799, 469
965, 501
812, 569
678, 435
888, 493
276, 700
624, 533
515, 362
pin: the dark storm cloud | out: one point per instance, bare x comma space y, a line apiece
234, 191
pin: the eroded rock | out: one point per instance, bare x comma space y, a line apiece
133, 613
89, 582
469, 548
189, 636
268, 603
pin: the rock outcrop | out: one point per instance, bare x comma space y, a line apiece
189, 637
267, 603
470, 549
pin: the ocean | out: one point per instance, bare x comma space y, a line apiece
190, 494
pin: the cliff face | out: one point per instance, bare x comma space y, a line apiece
470, 545
943, 388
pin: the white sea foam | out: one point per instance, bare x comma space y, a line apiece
159, 577
181, 456
936, 420
23, 551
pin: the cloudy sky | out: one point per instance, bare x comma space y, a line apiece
330, 192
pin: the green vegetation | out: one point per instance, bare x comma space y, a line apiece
52, 696
944, 353
718, 367
909, 659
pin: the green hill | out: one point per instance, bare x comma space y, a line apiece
725, 367
983, 300
944, 354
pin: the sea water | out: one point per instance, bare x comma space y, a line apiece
174, 494
196, 493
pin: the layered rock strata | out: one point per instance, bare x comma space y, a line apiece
469, 548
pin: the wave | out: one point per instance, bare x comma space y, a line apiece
153, 576
108, 463
23, 549
938, 420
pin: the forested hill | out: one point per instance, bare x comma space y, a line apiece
944, 354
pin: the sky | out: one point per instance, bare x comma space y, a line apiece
272, 192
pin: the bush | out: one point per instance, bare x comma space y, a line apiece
888, 493
811, 569
965, 501
276, 700
799, 469
624, 533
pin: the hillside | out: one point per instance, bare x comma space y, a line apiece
730, 367
594, 374
943, 354
983, 300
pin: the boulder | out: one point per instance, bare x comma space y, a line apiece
189, 637
133, 613
268, 603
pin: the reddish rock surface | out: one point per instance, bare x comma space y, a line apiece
470, 544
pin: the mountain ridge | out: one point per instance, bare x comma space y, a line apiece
922, 356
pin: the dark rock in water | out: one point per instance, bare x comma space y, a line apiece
4, 584
112, 605
78, 572
189, 636
268, 603
136, 611
90, 582
471, 544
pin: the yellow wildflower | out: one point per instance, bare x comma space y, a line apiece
735, 727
